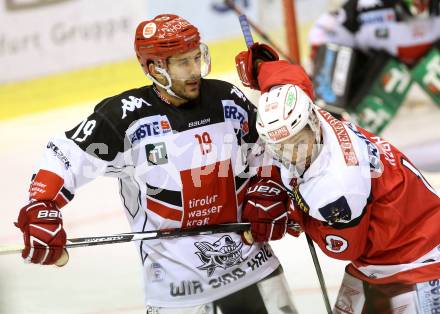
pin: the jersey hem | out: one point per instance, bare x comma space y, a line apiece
224, 292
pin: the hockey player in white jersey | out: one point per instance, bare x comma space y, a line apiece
180, 149
368, 54
357, 196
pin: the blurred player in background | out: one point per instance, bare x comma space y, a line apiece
179, 150
367, 55
357, 196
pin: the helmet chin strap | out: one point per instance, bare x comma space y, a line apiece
169, 84
315, 125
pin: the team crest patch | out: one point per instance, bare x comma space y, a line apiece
336, 212
156, 154
223, 253
336, 244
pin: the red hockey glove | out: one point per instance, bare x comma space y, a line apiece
265, 209
249, 61
294, 227
43, 233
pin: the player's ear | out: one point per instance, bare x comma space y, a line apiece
152, 69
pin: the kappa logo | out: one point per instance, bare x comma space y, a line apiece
239, 93
132, 104
223, 253
156, 154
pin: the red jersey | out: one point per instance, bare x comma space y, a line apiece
362, 200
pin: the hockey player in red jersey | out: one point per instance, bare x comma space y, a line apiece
180, 151
357, 196
368, 54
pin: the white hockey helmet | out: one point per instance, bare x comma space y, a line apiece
283, 112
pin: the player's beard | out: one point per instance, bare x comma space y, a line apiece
187, 89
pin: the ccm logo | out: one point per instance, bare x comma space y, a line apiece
336, 244
49, 214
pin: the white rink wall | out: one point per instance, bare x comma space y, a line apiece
39, 37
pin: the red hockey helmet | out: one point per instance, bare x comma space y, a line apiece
162, 37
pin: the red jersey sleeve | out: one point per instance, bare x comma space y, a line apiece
281, 72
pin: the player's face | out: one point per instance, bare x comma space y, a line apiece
185, 72
296, 149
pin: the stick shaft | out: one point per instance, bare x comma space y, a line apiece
137, 236
319, 273
259, 31
246, 30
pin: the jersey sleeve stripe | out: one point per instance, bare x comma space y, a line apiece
164, 211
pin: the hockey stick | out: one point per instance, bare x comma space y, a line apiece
137, 236
246, 30
319, 273
258, 30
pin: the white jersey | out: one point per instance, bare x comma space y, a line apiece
178, 167
378, 25
341, 170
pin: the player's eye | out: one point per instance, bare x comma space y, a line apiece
183, 62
